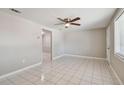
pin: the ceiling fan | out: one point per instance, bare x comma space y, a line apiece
68, 21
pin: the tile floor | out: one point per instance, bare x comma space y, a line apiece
65, 71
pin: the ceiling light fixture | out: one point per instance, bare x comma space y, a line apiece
68, 21
67, 25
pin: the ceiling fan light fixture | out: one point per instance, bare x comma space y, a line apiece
67, 25
69, 21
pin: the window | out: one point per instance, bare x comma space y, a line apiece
119, 36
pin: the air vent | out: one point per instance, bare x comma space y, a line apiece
14, 10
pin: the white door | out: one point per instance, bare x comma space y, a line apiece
108, 44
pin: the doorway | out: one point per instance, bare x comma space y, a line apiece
108, 44
47, 46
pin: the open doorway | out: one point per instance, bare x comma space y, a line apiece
47, 46
108, 44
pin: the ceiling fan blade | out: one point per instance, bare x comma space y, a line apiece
61, 19
75, 19
59, 24
75, 24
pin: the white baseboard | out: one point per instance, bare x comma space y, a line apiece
85, 57
57, 57
20, 70
119, 80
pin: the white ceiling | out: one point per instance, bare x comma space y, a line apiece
91, 18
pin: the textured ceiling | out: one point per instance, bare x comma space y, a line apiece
91, 18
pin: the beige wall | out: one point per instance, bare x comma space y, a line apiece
58, 43
90, 43
19, 45
116, 63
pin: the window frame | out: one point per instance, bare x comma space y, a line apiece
116, 39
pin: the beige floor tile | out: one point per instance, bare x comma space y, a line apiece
44, 82
6, 82
65, 71
85, 83
67, 77
19, 80
62, 82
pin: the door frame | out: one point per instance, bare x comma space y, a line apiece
108, 45
48, 31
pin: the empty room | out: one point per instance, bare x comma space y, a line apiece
61, 46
